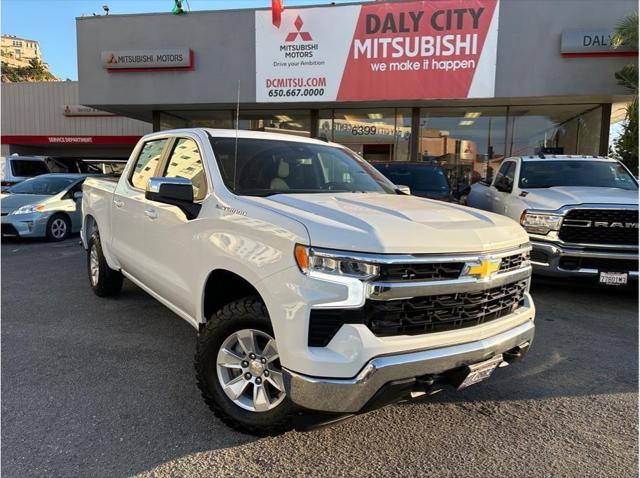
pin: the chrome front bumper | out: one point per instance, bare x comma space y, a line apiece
351, 395
546, 258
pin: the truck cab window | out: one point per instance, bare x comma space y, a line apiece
147, 163
185, 162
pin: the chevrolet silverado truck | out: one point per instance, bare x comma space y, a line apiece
316, 287
581, 213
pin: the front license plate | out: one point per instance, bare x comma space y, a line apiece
614, 278
480, 371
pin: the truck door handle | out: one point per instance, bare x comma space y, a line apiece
151, 213
118, 203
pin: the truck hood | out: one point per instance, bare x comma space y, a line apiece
559, 196
387, 223
11, 202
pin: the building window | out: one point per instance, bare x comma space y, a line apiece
382, 134
468, 142
196, 119
562, 129
297, 122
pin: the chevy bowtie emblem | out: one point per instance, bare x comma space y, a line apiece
486, 268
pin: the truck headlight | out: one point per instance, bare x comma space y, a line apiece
311, 259
540, 223
29, 209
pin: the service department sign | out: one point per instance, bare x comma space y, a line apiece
175, 58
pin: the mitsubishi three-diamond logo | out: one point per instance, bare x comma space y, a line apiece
305, 36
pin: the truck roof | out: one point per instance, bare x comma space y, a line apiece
245, 134
559, 157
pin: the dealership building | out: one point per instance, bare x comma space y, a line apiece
47, 119
463, 83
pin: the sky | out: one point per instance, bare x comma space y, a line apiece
52, 22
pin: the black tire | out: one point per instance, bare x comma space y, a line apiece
248, 313
58, 227
107, 282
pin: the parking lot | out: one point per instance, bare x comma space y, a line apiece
95, 387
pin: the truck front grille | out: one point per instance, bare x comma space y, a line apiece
516, 261
420, 272
419, 315
439, 313
600, 226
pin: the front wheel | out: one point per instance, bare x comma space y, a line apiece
58, 228
239, 372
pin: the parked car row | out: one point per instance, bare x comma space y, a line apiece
316, 284
581, 212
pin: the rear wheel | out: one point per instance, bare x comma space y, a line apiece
239, 372
104, 281
58, 228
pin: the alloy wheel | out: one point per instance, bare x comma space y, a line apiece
58, 228
249, 370
94, 265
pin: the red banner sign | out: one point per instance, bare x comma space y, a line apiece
378, 51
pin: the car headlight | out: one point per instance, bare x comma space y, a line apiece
29, 209
311, 259
540, 223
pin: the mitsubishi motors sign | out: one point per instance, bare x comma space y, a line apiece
147, 60
378, 51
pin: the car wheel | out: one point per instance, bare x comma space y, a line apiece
58, 228
239, 372
104, 281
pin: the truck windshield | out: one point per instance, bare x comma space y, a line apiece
601, 174
265, 167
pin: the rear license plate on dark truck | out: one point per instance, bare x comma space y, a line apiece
614, 278
480, 371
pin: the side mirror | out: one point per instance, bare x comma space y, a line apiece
174, 191
403, 189
504, 186
77, 195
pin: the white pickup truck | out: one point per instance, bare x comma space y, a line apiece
581, 213
313, 282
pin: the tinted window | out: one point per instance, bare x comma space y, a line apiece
28, 168
147, 163
417, 177
46, 185
265, 167
507, 169
546, 174
186, 162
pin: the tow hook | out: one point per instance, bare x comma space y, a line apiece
517, 353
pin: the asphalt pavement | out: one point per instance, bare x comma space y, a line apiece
105, 387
